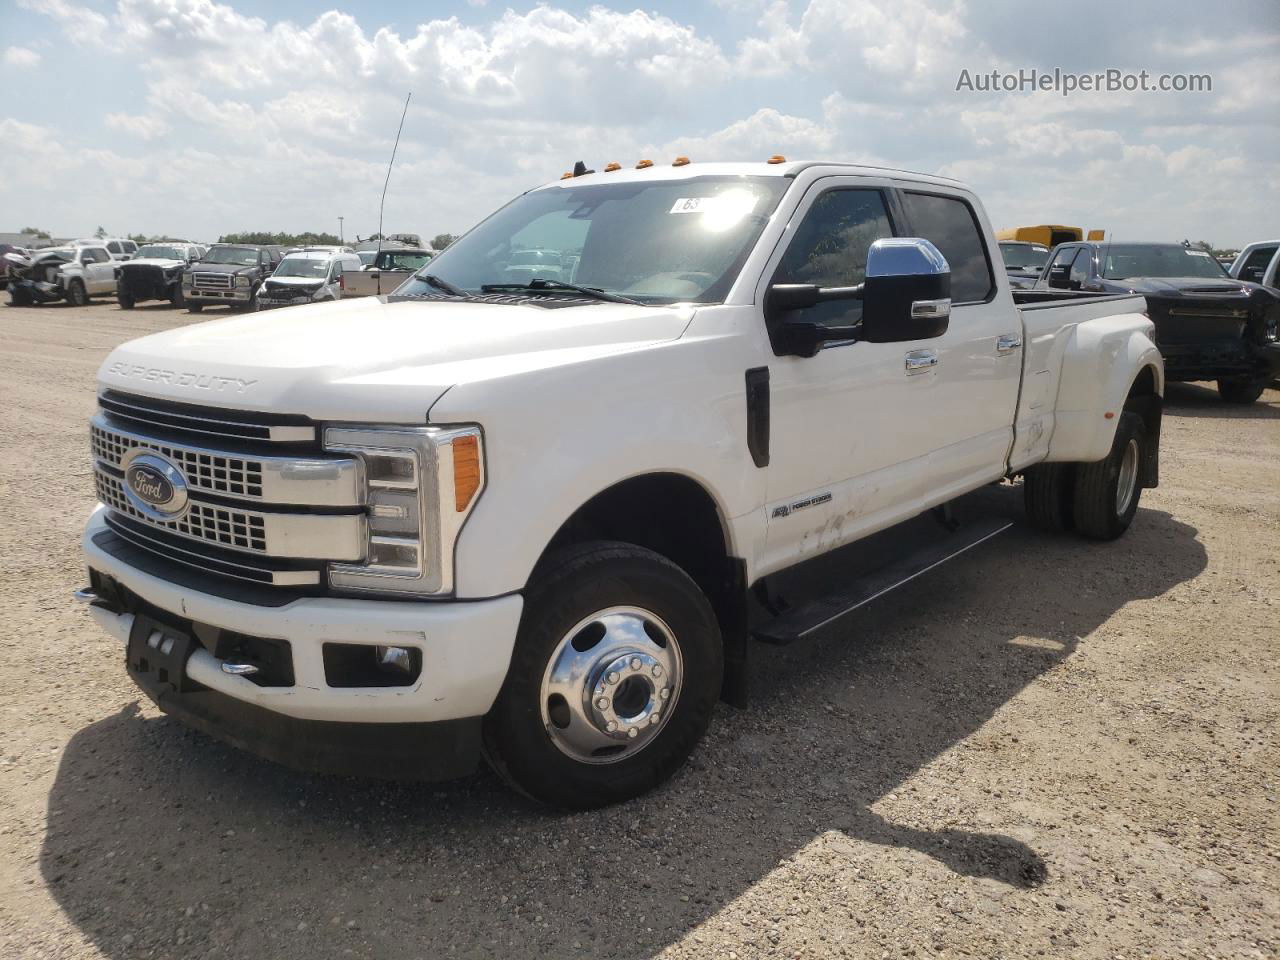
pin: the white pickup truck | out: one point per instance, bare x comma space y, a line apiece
526, 518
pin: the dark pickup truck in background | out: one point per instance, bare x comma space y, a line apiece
229, 273
1209, 326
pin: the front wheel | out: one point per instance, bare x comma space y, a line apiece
77, 296
1241, 391
194, 307
177, 299
1106, 493
616, 671
126, 302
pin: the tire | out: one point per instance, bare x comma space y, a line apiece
1241, 391
1107, 492
126, 301
1047, 495
177, 299
77, 296
20, 297
194, 307
592, 613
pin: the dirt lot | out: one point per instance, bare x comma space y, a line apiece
1051, 748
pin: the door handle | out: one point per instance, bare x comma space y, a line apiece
1008, 344
921, 361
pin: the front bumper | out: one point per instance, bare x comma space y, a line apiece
1220, 360
465, 649
234, 296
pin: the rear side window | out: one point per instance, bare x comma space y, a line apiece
950, 225
114, 247
830, 248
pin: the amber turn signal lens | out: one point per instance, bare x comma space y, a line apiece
777, 158
466, 471
679, 161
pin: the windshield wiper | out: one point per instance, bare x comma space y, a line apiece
537, 283
431, 280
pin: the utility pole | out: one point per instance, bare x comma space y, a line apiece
341, 240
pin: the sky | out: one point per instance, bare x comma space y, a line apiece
193, 118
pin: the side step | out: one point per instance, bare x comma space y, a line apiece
812, 617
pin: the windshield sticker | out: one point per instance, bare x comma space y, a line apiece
1196, 253
738, 202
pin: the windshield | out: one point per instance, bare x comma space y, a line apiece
246, 256
1124, 260
160, 253
1024, 255
654, 241
302, 267
400, 260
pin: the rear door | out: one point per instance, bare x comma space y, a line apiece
968, 407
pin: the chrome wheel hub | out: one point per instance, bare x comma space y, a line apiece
1127, 481
611, 684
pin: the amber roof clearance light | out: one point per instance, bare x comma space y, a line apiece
679, 161
644, 164
610, 167
777, 158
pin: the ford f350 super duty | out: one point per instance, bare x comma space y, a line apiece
523, 517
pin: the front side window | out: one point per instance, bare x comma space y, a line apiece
950, 225
830, 249
114, 247
655, 241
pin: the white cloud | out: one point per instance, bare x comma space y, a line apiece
263, 123
141, 126
21, 57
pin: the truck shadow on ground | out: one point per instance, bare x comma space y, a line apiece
162, 842
1202, 400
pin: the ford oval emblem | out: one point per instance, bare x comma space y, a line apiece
154, 486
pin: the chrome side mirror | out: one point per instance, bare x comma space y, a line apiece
907, 293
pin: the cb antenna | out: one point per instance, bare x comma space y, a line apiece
383, 202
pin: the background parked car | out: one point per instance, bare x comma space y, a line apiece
120, 248
390, 268
73, 274
1209, 326
155, 273
308, 276
229, 273
1258, 263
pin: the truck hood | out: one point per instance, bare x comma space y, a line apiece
1173, 286
162, 263
364, 360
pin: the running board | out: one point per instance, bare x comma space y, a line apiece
812, 617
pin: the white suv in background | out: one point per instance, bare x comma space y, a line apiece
120, 248
307, 276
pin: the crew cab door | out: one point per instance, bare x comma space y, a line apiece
99, 270
972, 394
847, 426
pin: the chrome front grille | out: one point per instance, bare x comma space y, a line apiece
253, 511
213, 281
212, 472
235, 529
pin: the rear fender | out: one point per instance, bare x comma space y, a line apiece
1102, 362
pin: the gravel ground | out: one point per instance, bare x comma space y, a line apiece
1051, 748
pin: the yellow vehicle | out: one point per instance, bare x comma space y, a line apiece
1049, 234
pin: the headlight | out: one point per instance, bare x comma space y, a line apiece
242, 281
420, 486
